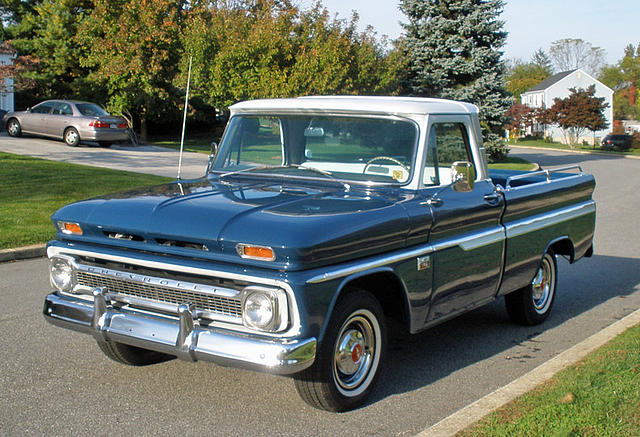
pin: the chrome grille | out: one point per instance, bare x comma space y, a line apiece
227, 306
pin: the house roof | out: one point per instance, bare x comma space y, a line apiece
541, 86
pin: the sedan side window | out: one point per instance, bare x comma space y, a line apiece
62, 109
447, 143
44, 108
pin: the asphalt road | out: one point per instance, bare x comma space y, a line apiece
57, 382
143, 159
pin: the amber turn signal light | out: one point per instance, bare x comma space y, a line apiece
255, 252
70, 228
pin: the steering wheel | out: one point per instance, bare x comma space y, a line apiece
388, 158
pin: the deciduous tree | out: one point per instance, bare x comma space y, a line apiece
579, 112
133, 48
624, 79
573, 53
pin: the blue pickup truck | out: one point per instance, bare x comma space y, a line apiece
319, 222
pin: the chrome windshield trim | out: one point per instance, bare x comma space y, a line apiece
467, 242
529, 224
294, 311
347, 114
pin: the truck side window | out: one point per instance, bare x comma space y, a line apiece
447, 143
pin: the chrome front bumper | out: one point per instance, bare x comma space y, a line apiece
182, 337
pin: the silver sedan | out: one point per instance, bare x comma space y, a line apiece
70, 120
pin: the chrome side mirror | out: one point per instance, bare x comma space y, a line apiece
463, 176
212, 156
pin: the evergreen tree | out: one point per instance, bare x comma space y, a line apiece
453, 50
542, 60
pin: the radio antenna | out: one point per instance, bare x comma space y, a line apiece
184, 119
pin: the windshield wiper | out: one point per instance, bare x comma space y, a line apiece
263, 167
322, 172
296, 166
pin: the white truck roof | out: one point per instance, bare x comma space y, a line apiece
357, 104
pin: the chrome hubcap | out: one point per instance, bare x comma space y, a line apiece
541, 286
72, 136
354, 351
13, 128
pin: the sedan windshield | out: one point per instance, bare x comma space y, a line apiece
363, 149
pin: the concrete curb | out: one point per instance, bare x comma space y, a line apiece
35, 251
580, 152
467, 416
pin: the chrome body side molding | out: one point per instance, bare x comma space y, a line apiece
465, 242
530, 224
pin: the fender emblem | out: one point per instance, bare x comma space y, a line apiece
424, 262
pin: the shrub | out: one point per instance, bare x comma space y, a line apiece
496, 150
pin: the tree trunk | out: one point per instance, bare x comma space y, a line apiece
143, 130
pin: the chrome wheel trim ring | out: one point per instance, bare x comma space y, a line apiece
71, 137
356, 353
542, 286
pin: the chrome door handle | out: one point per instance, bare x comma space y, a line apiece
493, 198
434, 201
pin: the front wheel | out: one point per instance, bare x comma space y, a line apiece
350, 358
13, 128
531, 305
71, 137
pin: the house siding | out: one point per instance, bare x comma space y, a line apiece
560, 89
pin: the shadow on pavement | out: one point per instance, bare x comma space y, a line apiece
419, 360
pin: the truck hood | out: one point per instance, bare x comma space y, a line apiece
307, 226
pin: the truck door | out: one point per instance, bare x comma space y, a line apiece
466, 236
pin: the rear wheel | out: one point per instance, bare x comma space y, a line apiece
131, 355
13, 128
71, 137
532, 304
349, 359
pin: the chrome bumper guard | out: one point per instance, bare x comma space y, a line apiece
183, 338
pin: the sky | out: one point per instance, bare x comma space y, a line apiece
531, 24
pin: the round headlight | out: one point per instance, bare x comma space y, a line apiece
259, 310
61, 274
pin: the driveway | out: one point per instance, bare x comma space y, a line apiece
57, 382
143, 159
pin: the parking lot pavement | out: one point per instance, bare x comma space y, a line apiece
142, 159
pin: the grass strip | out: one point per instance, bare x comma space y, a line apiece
32, 189
599, 396
580, 148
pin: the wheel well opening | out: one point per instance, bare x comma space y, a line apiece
388, 289
564, 247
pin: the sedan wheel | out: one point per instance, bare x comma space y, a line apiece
71, 137
13, 128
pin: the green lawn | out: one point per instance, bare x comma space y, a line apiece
32, 189
513, 163
200, 143
599, 396
558, 146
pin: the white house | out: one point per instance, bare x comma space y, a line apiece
557, 86
7, 55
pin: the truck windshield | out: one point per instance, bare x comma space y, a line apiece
366, 149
